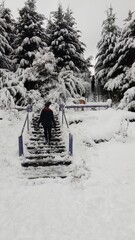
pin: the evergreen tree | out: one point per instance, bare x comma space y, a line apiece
30, 35
124, 49
120, 76
6, 31
9, 23
64, 41
105, 57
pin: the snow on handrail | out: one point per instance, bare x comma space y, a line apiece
20, 108
107, 104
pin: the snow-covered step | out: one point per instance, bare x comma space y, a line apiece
46, 155
47, 150
61, 171
46, 161
41, 144
37, 131
36, 137
37, 162
40, 156
32, 145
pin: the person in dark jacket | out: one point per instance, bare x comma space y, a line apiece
47, 121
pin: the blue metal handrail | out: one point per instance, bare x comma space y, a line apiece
26, 121
64, 115
70, 135
20, 138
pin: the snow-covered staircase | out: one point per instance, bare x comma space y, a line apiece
42, 160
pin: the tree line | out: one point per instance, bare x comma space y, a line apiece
115, 60
46, 61
36, 59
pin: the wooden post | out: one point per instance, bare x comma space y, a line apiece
20, 142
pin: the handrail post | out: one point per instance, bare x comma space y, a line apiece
70, 135
28, 122
65, 119
29, 109
62, 116
70, 144
61, 108
20, 138
20, 142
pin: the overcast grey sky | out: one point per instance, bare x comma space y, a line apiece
89, 15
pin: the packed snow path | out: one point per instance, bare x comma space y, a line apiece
42, 160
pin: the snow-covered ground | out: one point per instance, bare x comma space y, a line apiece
96, 201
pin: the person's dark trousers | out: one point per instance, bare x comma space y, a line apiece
47, 133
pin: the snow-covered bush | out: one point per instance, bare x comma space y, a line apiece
71, 85
55, 95
44, 67
128, 101
34, 98
11, 88
27, 77
6, 99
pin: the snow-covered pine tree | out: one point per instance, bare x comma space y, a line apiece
120, 76
105, 58
30, 35
63, 38
76, 47
6, 31
9, 27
